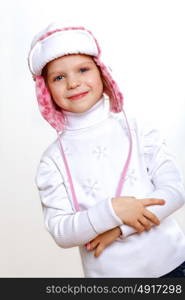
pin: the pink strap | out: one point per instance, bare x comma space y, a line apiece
75, 201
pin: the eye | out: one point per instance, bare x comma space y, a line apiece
82, 70
58, 78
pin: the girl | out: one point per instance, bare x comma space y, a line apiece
106, 185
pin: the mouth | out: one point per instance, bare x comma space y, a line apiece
77, 96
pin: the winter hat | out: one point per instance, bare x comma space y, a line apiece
54, 42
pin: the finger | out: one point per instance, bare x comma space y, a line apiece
98, 250
149, 215
152, 201
88, 246
146, 224
138, 227
93, 244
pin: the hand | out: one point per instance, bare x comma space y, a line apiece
103, 240
132, 212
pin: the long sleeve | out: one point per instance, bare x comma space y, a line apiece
68, 227
164, 175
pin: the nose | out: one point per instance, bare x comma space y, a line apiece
73, 82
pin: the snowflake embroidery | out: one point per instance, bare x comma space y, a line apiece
91, 187
131, 177
100, 152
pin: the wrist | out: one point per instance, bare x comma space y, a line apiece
119, 231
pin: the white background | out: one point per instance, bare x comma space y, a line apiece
143, 41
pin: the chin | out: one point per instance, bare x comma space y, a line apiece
83, 107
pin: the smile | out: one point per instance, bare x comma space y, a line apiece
78, 96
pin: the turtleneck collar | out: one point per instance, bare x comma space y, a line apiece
97, 113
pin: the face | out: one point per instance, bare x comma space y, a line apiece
74, 82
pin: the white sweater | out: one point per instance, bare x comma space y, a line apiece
96, 146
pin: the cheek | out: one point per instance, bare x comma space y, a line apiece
99, 85
95, 82
57, 92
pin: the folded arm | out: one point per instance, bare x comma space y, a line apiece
164, 175
68, 227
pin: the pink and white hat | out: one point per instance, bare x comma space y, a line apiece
54, 42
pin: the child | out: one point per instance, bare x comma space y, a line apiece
106, 185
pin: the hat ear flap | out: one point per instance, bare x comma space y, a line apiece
110, 87
48, 108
